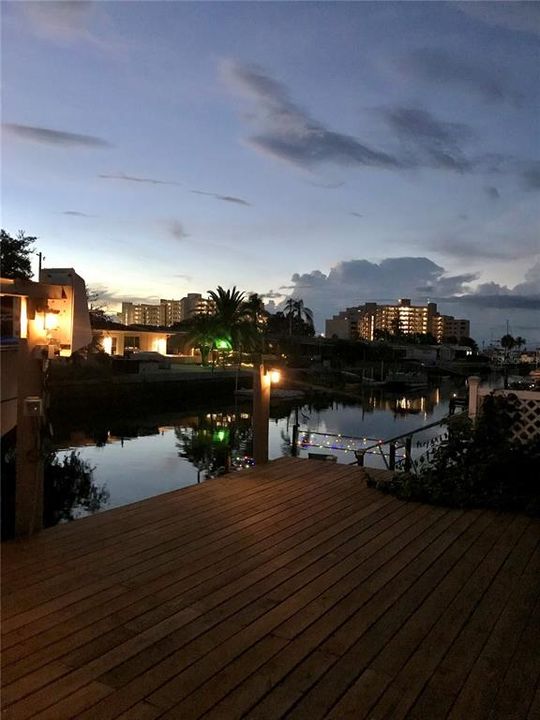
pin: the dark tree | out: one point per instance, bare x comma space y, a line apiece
15, 255
98, 310
468, 342
507, 342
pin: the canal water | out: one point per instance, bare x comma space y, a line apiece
129, 459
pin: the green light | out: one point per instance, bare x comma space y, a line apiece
223, 344
220, 436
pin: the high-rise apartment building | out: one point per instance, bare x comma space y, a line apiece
172, 311
142, 314
167, 313
194, 304
361, 322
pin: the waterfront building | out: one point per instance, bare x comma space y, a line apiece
116, 339
363, 322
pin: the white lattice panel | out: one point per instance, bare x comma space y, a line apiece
526, 425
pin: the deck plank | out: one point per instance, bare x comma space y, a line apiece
288, 590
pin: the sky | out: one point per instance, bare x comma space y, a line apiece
338, 152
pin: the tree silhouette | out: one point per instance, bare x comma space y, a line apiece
236, 317
295, 310
203, 330
507, 342
15, 255
69, 487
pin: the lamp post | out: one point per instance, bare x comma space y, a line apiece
262, 382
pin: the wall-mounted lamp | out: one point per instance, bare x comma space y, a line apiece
106, 344
51, 321
274, 376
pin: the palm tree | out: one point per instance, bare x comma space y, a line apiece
295, 309
202, 334
520, 341
237, 320
303, 312
289, 311
254, 308
508, 342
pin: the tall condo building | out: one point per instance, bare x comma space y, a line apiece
142, 314
167, 313
194, 304
361, 322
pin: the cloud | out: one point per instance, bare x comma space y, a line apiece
288, 133
181, 276
356, 214
327, 186
507, 236
531, 282
285, 131
176, 229
492, 288
467, 247
225, 198
271, 295
353, 282
437, 67
70, 22
498, 301
515, 16
135, 179
530, 176
429, 141
492, 192
59, 19
54, 137
76, 213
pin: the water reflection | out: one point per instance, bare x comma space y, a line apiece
216, 443
138, 457
70, 490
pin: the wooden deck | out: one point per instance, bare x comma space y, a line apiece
288, 591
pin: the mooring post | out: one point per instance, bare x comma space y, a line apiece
392, 456
474, 383
261, 414
29, 460
408, 453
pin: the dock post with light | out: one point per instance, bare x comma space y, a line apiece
262, 383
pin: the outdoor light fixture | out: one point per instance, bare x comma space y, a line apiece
160, 346
223, 344
107, 344
51, 321
274, 376
24, 318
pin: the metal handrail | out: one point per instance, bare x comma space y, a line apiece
392, 442
410, 433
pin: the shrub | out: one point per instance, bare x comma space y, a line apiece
478, 465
